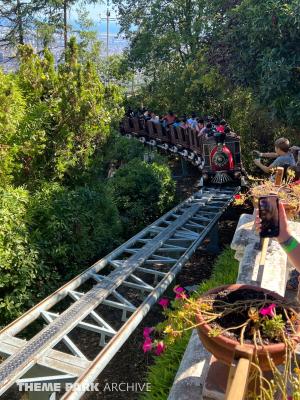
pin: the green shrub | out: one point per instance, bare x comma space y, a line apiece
18, 261
162, 373
142, 192
72, 228
11, 113
122, 149
119, 150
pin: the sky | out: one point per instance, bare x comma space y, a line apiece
95, 10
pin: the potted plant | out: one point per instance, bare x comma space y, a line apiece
288, 192
249, 316
241, 315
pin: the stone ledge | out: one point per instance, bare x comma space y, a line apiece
243, 235
190, 378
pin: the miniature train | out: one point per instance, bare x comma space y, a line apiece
219, 163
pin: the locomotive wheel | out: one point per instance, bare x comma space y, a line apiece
191, 156
198, 161
165, 146
184, 153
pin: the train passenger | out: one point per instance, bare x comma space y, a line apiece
184, 123
208, 131
176, 123
147, 115
221, 126
200, 126
154, 118
284, 158
169, 118
192, 121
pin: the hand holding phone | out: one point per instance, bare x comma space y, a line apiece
269, 215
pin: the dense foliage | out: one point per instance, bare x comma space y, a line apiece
70, 228
142, 192
12, 107
18, 260
59, 211
239, 59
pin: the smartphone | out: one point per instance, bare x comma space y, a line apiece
269, 215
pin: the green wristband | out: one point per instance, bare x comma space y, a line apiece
290, 245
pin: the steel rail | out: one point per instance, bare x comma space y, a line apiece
31, 315
116, 343
169, 241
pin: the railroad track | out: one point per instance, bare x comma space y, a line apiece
145, 265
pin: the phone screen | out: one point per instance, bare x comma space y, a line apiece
269, 215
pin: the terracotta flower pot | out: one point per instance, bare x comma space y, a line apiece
223, 347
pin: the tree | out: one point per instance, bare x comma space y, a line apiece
72, 227
18, 18
70, 114
15, 16
162, 32
89, 46
257, 47
64, 6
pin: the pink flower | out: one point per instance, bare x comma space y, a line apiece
147, 332
178, 289
147, 346
160, 348
297, 182
268, 310
180, 293
237, 197
181, 296
290, 398
164, 303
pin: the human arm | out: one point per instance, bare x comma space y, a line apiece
263, 167
269, 155
285, 237
265, 155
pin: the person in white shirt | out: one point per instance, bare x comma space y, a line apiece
200, 126
154, 118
